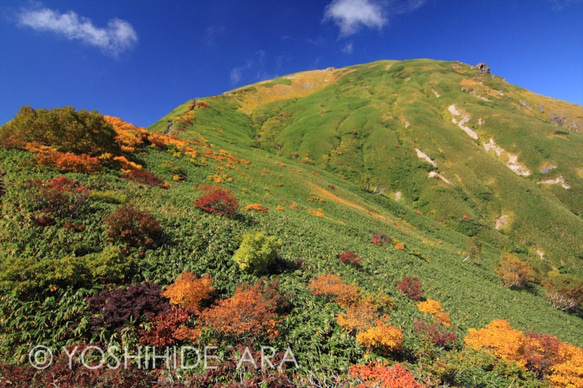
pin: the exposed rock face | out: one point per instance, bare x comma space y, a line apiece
482, 67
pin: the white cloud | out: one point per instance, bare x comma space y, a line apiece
117, 37
348, 48
351, 15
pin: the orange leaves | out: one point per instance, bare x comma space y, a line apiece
257, 207
383, 338
400, 246
362, 315
168, 328
499, 338
317, 213
543, 354
188, 292
128, 135
378, 374
245, 314
333, 287
68, 162
434, 308
513, 272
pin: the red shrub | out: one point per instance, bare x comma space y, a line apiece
134, 227
438, 334
350, 258
168, 328
217, 200
144, 177
541, 353
60, 197
379, 239
411, 286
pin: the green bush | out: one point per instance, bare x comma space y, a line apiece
256, 252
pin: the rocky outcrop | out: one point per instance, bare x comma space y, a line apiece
483, 68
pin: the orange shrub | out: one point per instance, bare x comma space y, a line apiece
188, 292
568, 373
499, 338
129, 137
245, 314
168, 328
434, 308
333, 287
68, 162
257, 207
400, 246
513, 272
378, 374
360, 316
383, 338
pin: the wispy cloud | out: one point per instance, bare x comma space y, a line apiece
348, 48
118, 36
353, 15
258, 65
559, 5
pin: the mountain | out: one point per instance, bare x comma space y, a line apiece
420, 213
440, 137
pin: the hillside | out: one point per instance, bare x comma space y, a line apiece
376, 173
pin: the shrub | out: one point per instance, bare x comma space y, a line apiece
498, 337
378, 374
332, 286
358, 317
110, 265
256, 252
119, 307
563, 292
411, 287
382, 338
379, 239
541, 353
433, 307
60, 197
69, 162
67, 130
188, 292
513, 272
244, 315
143, 176
257, 207
217, 200
436, 333
133, 227
350, 258
168, 328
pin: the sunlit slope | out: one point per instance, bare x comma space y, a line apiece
471, 151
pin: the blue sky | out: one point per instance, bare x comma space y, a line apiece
139, 59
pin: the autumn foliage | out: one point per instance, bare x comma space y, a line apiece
382, 338
434, 308
333, 287
350, 258
168, 328
513, 272
136, 228
378, 374
411, 287
217, 200
68, 162
143, 176
545, 355
244, 315
188, 291
60, 197
257, 207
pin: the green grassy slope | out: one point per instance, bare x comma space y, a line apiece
373, 117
